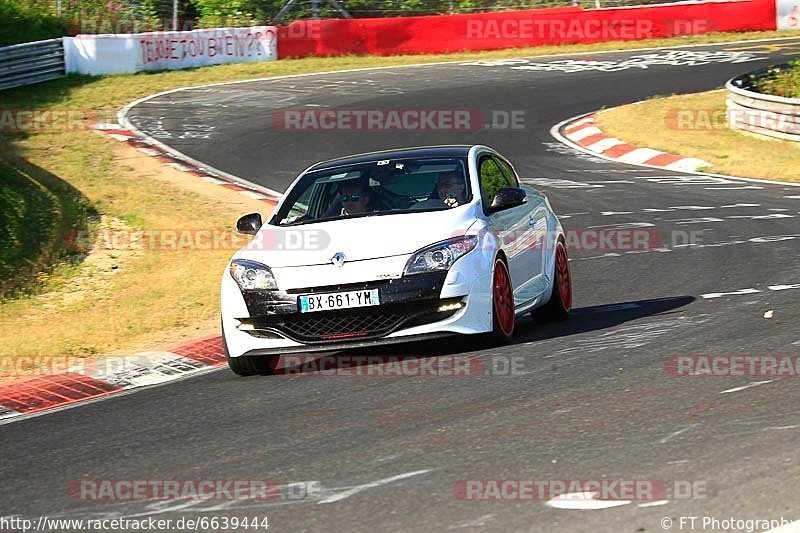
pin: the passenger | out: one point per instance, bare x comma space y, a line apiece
450, 189
450, 192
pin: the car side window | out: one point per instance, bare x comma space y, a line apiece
508, 172
492, 179
300, 208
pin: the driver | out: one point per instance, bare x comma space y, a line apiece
355, 198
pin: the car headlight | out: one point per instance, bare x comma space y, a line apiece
252, 276
440, 256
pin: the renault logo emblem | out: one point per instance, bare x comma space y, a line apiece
338, 259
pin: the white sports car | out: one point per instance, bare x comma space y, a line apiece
389, 247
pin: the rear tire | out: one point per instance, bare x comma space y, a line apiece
250, 365
560, 303
503, 317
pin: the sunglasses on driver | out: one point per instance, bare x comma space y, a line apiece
350, 197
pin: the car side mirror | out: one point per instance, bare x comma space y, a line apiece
249, 224
506, 198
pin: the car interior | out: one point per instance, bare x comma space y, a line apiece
392, 186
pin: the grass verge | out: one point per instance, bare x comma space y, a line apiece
116, 300
695, 126
36, 210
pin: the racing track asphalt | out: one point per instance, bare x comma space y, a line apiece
594, 400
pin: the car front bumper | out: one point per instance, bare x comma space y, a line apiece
416, 307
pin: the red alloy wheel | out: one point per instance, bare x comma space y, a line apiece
564, 277
503, 299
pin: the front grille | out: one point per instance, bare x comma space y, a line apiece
332, 326
339, 326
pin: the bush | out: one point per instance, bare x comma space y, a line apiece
22, 24
784, 83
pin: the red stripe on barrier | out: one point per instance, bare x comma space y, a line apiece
52, 391
662, 160
619, 150
510, 29
208, 351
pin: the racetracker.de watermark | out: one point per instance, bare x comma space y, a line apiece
314, 239
19, 366
189, 489
543, 28
733, 366
612, 239
308, 29
25, 366
582, 489
397, 119
198, 240
124, 26
596, 239
723, 119
45, 119
591, 239
400, 366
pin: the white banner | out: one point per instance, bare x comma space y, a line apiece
127, 53
788, 13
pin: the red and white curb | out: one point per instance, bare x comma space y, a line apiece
584, 132
108, 376
147, 147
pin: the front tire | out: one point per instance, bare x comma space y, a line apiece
252, 365
503, 316
560, 303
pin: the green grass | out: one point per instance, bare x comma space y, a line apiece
37, 211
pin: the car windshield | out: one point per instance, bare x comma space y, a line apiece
380, 187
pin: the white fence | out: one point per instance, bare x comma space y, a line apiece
119, 54
23, 64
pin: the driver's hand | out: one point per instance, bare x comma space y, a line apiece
450, 201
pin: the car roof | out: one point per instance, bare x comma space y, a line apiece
456, 150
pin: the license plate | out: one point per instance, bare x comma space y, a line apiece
309, 303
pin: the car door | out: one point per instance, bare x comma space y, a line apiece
533, 238
510, 225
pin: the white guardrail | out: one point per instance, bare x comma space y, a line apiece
22, 64
96, 55
764, 114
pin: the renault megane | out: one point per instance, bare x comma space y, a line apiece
393, 246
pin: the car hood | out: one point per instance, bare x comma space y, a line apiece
357, 238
